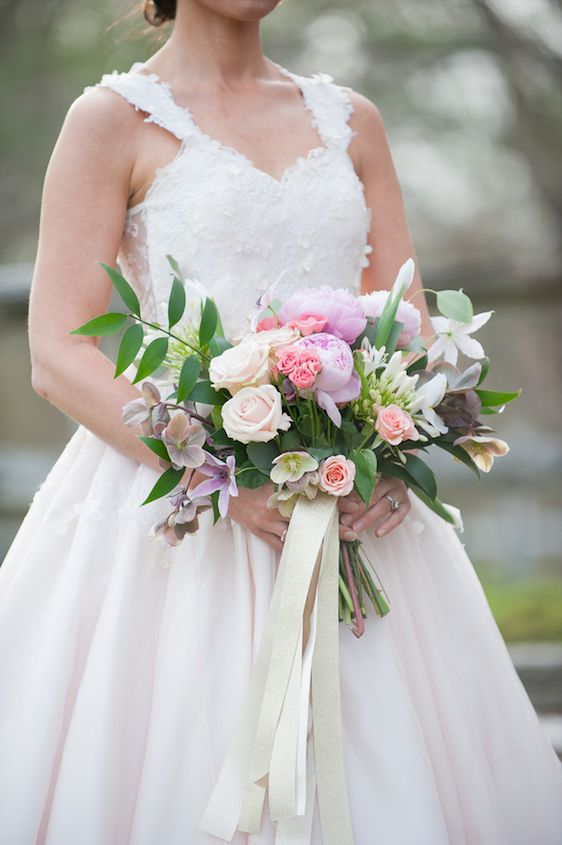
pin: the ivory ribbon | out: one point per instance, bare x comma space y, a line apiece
265, 750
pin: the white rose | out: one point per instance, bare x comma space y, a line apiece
255, 415
276, 338
240, 366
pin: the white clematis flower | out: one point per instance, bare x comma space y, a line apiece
453, 336
427, 397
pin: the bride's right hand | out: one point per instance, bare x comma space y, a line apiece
250, 510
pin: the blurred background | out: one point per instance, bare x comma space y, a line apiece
471, 95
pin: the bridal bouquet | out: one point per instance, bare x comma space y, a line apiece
324, 393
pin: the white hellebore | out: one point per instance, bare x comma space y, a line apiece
428, 395
453, 336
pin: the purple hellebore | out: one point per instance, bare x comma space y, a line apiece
221, 477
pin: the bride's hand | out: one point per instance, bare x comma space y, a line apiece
355, 516
250, 510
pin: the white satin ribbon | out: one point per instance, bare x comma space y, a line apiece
265, 750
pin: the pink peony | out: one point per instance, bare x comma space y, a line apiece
345, 318
337, 381
395, 425
309, 324
408, 314
337, 475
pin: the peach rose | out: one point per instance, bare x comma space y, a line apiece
240, 366
255, 415
309, 323
337, 475
395, 425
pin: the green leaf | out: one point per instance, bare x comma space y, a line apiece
395, 330
290, 441
174, 265
218, 344
165, 484
496, 397
320, 452
188, 377
157, 446
106, 324
436, 505
123, 288
458, 452
485, 363
152, 357
422, 474
130, 344
262, 455
221, 438
365, 472
455, 305
248, 476
215, 504
176, 303
209, 320
418, 364
204, 392
386, 321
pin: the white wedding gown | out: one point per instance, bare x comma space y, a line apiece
124, 664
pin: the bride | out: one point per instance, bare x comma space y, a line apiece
123, 662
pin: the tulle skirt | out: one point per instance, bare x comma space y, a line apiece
124, 665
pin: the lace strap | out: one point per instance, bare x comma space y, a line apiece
146, 92
331, 108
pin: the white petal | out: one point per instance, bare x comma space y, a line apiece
436, 349
469, 346
435, 420
450, 353
403, 280
441, 325
476, 323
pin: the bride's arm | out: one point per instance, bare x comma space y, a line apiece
389, 236
83, 208
392, 245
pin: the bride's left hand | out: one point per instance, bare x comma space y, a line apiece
356, 516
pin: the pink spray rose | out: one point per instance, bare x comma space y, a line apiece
267, 323
301, 366
345, 318
337, 475
287, 359
408, 314
395, 425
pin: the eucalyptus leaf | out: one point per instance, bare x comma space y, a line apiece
455, 305
106, 324
152, 358
123, 288
262, 455
130, 344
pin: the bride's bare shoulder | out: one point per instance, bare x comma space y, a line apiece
99, 114
369, 144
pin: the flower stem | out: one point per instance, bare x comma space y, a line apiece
170, 334
359, 626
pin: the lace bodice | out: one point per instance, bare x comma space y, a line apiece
232, 226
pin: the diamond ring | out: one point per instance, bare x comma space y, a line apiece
283, 535
394, 502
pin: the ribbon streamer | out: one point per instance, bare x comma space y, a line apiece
266, 752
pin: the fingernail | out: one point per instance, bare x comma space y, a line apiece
349, 535
380, 531
357, 526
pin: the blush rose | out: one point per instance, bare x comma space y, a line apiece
255, 415
395, 425
337, 475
